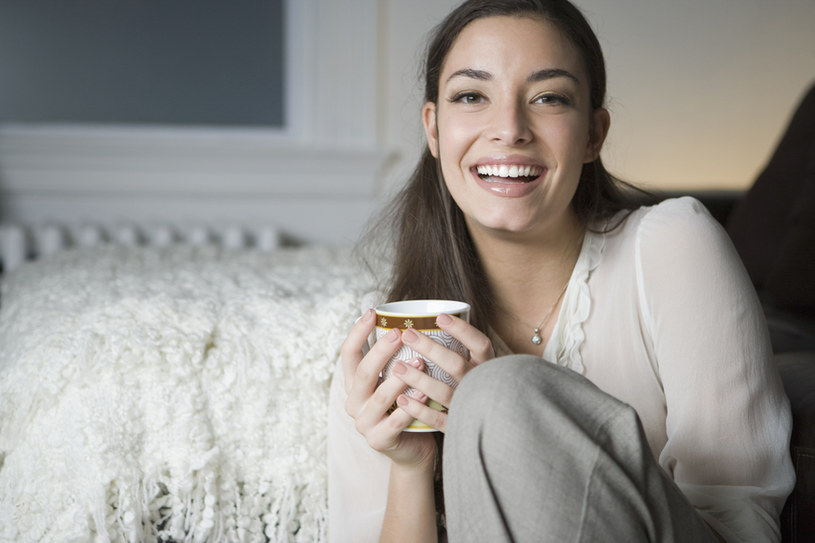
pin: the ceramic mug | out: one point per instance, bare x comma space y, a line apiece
421, 315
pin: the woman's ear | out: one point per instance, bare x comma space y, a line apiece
600, 123
430, 129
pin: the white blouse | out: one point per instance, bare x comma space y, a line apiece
660, 313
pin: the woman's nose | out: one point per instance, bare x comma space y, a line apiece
509, 124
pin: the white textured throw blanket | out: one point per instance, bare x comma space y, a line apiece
170, 395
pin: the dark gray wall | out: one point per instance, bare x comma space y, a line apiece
188, 62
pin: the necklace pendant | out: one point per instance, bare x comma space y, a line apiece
536, 339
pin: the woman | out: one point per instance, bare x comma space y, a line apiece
620, 384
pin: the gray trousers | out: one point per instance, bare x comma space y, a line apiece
536, 452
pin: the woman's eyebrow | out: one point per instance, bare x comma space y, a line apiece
472, 73
540, 75
551, 73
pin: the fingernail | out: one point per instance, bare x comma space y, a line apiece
399, 368
416, 363
402, 400
365, 316
393, 335
444, 318
420, 396
410, 335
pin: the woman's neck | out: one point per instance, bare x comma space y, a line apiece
527, 276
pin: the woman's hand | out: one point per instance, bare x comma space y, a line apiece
369, 400
412, 374
411, 493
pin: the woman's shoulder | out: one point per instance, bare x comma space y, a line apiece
679, 232
680, 207
677, 227
673, 218
673, 210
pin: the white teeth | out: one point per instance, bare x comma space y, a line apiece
504, 170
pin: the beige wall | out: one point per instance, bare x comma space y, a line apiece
699, 90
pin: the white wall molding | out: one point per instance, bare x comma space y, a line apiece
312, 193
160, 161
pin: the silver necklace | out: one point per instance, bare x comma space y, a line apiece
536, 337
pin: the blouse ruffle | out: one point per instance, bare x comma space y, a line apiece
564, 346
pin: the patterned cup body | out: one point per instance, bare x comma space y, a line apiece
421, 316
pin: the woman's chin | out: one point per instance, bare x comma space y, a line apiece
503, 226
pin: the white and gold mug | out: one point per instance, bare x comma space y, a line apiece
421, 315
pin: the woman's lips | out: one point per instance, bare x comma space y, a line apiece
508, 180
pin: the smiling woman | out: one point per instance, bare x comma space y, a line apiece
607, 379
476, 98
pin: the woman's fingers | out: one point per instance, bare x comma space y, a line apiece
382, 422
360, 363
376, 408
365, 378
416, 409
355, 344
450, 361
429, 408
412, 374
453, 363
472, 338
427, 391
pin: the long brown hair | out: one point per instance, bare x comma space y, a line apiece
434, 253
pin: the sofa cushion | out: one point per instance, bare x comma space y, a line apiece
773, 226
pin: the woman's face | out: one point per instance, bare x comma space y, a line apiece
513, 125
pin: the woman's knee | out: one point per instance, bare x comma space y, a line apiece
518, 385
516, 372
503, 384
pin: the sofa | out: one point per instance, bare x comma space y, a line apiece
773, 228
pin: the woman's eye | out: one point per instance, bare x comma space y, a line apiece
468, 98
552, 98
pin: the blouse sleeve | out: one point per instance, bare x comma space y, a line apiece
357, 475
728, 419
